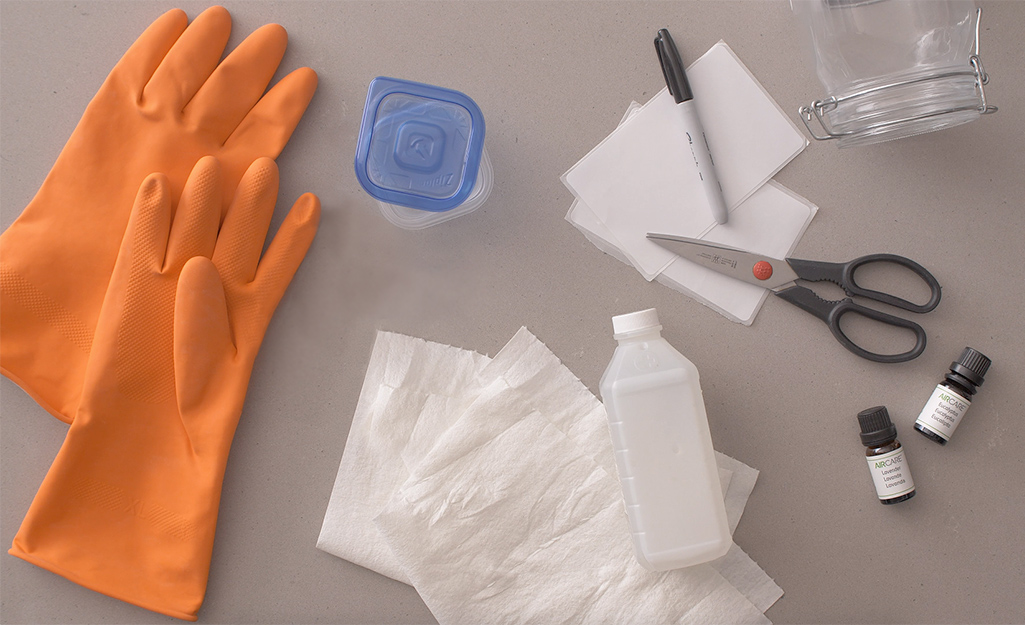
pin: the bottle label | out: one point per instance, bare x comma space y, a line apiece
943, 411
890, 474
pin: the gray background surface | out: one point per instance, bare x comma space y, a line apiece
553, 79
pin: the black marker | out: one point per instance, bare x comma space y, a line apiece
676, 80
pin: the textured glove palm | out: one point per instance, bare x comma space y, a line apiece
129, 506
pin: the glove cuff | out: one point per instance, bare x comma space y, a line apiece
17, 551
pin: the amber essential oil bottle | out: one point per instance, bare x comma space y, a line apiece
952, 397
886, 460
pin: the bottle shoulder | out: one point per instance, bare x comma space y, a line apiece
655, 362
893, 445
961, 389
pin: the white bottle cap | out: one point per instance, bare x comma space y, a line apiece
624, 325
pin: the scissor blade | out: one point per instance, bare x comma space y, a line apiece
763, 271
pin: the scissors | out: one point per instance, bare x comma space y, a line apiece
780, 276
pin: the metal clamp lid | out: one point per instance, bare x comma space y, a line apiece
818, 108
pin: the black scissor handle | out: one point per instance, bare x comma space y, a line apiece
843, 275
832, 311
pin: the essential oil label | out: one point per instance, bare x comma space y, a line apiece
943, 411
890, 474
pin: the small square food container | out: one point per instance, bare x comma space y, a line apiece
421, 153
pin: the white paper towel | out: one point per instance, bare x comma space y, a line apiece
408, 397
403, 374
509, 519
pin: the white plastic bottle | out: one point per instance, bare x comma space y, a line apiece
663, 448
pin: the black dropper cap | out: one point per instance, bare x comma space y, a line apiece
972, 365
876, 427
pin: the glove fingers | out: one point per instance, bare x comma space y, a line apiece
267, 127
238, 82
251, 308
242, 235
202, 343
194, 230
142, 304
136, 67
286, 252
189, 62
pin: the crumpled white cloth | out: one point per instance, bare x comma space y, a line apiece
403, 374
504, 498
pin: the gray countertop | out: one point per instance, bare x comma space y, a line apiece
553, 79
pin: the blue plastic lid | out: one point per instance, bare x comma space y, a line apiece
419, 145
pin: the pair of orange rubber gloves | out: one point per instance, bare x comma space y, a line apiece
133, 301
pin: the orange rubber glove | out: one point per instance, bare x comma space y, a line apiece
129, 506
166, 104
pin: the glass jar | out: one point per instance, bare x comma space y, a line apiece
893, 68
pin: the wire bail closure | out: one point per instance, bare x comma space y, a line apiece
818, 109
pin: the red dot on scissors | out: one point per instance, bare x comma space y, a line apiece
762, 270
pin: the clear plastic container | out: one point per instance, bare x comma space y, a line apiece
663, 448
892, 68
421, 153
415, 219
